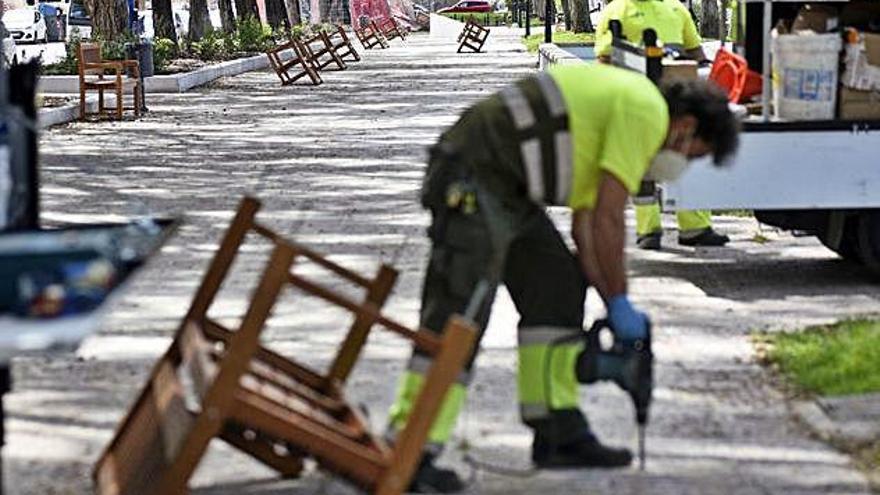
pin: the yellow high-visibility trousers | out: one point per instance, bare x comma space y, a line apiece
648, 220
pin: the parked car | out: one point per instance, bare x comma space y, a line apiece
467, 6
26, 25
78, 20
7, 48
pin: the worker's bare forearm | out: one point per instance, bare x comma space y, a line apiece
609, 229
599, 235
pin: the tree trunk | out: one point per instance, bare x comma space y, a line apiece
227, 17
245, 8
293, 10
580, 16
109, 18
709, 19
163, 20
566, 13
722, 21
199, 22
276, 14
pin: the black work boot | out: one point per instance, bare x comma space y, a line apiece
432, 479
564, 440
706, 237
650, 241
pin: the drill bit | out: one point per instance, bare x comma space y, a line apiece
641, 447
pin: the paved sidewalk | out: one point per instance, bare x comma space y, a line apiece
338, 167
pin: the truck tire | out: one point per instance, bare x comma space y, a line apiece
869, 240
848, 248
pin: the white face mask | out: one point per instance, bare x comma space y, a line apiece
667, 166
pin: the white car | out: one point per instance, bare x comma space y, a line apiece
8, 56
26, 25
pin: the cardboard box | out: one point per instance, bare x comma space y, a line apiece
816, 18
872, 48
679, 69
858, 105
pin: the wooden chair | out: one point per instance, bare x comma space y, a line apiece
93, 77
291, 62
218, 382
370, 35
320, 51
342, 44
390, 28
472, 37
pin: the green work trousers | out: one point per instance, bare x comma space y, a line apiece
689, 221
501, 237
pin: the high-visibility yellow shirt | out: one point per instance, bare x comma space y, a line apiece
617, 119
669, 18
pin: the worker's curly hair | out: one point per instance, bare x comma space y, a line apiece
716, 123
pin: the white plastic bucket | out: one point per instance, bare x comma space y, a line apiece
805, 70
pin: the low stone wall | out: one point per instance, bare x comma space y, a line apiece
172, 83
552, 54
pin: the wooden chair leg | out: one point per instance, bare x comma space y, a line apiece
82, 104
119, 102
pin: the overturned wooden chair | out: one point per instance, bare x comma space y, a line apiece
220, 382
370, 35
291, 62
123, 77
341, 44
321, 52
390, 28
472, 37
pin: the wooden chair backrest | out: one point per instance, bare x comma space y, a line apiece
89, 53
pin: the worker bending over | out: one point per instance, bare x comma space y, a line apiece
579, 136
675, 28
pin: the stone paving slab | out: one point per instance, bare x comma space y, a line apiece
338, 167
852, 420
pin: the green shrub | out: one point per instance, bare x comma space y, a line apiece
251, 36
214, 45
164, 51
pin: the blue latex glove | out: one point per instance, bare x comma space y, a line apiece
627, 323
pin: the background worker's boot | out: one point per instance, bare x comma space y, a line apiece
432, 479
565, 441
650, 241
705, 237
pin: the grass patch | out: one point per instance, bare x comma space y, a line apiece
532, 42
836, 359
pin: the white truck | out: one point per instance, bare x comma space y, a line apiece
819, 177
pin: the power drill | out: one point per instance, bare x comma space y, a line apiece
629, 364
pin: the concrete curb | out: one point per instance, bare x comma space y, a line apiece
814, 418
47, 117
551, 54
174, 83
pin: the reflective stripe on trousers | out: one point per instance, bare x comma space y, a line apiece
546, 378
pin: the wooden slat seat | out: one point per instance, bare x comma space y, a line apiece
218, 382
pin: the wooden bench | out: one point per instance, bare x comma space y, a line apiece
390, 28
291, 62
342, 44
320, 51
219, 382
93, 77
472, 37
370, 35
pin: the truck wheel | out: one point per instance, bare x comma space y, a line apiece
848, 248
869, 240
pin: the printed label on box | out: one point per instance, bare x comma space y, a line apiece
808, 84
